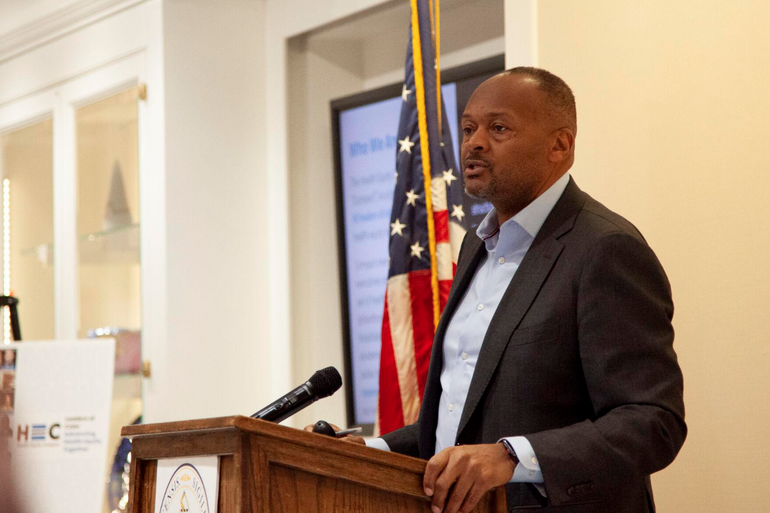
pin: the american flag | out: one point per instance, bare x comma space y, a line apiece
426, 230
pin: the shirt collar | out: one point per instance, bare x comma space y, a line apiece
530, 218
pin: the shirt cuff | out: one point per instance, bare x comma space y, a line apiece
528, 469
377, 443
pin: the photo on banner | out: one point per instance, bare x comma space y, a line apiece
7, 382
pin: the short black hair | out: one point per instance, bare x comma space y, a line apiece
560, 97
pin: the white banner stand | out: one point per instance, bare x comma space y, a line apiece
57, 396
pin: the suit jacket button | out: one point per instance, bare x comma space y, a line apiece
570, 490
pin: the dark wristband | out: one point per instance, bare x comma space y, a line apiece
511, 451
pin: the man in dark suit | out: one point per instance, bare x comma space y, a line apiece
553, 370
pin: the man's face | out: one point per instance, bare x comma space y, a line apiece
9, 357
506, 142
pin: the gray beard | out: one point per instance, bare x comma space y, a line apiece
512, 204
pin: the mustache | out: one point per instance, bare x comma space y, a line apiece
476, 157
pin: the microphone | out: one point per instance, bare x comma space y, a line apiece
321, 384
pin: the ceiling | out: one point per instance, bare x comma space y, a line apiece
378, 20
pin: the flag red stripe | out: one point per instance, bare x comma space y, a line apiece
422, 323
390, 413
443, 292
441, 224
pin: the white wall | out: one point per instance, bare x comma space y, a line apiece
673, 116
318, 71
214, 360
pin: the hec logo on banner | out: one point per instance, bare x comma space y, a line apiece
26, 433
185, 492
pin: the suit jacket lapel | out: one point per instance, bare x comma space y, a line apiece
522, 290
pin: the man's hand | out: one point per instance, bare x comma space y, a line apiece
471, 469
348, 438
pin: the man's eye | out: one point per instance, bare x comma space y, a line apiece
499, 128
467, 130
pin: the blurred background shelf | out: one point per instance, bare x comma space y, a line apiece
119, 245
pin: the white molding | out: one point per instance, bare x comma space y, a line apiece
521, 33
279, 282
26, 112
58, 24
62, 82
65, 263
152, 194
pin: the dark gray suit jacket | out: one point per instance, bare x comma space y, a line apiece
578, 358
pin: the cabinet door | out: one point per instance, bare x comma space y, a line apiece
108, 215
26, 163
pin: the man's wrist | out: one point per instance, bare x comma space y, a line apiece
511, 451
512, 458
528, 469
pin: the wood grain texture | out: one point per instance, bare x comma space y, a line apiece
326, 444
134, 481
266, 468
350, 467
341, 477
149, 475
141, 494
248, 481
175, 445
229, 500
179, 426
190, 444
296, 491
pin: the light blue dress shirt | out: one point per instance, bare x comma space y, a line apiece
506, 246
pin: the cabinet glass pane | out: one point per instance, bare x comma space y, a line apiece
26, 165
108, 214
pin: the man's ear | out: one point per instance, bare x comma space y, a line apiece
563, 145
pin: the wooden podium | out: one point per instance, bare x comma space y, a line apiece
266, 468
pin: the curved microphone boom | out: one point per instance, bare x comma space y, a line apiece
321, 384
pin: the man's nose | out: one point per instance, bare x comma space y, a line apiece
477, 141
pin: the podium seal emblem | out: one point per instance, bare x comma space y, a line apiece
185, 492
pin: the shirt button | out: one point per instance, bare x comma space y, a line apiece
464, 355
451, 407
501, 260
531, 473
534, 460
480, 307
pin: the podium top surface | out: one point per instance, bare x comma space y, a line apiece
180, 426
268, 429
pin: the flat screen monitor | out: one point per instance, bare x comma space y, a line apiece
365, 144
